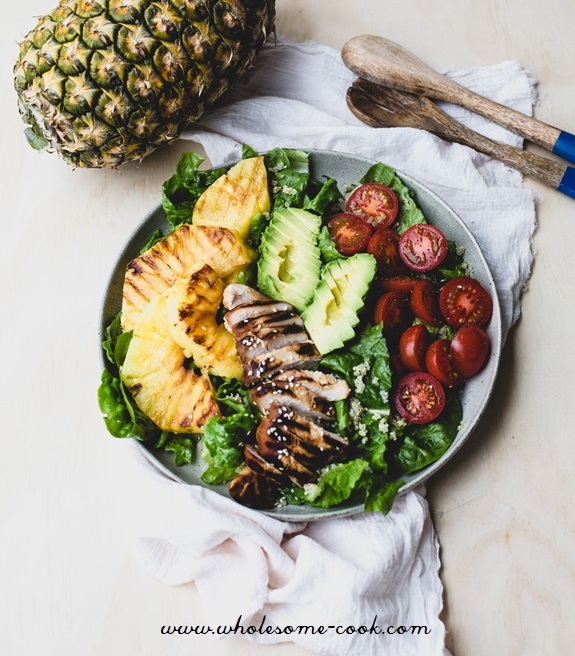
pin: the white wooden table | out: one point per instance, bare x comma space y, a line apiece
69, 582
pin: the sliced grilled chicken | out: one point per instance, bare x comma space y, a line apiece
238, 294
310, 444
265, 468
279, 455
290, 356
308, 392
270, 335
254, 490
277, 354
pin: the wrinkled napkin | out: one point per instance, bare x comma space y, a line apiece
367, 570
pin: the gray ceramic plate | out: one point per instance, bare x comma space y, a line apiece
346, 169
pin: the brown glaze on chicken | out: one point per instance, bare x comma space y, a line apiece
254, 490
284, 429
270, 335
292, 443
310, 393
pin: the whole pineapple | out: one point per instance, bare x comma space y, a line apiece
107, 81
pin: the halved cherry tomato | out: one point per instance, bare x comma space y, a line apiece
422, 247
413, 345
425, 303
350, 233
375, 203
398, 283
463, 300
392, 308
397, 367
469, 349
419, 398
438, 363
383, 245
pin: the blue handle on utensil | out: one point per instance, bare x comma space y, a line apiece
567, 184
565, 146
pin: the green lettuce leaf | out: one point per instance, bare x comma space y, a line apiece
155, 237
258, 225
225, 436
425, 444
364, 364
182, 446
379, 493
289, 173
182, 190
323, 198
334, 486
369, 352
327, 246
116, 342
122, 416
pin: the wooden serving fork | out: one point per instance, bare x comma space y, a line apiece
387, 63
380, 106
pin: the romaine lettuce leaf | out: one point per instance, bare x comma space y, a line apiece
335, 485
367, 358
380, 493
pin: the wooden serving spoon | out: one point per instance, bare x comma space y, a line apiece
387, 63
383, 107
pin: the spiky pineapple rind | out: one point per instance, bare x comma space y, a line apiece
102, 64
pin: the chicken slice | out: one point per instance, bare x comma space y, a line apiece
310, 444
311, 393
254, 490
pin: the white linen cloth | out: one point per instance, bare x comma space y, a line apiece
342, 571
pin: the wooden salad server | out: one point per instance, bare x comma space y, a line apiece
387, 63
383, 107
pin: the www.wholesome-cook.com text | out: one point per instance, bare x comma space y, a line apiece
301, 629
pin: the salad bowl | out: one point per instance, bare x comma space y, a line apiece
347, 170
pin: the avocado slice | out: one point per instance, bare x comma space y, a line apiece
333, 312
289, 265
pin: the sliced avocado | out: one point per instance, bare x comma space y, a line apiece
333, 313
328, 324
339, 287
353, 302
289, 264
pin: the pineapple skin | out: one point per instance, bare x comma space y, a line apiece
104, 82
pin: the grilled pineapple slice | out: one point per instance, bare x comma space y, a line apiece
192, 304
174, 397
235, 198
159, 267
